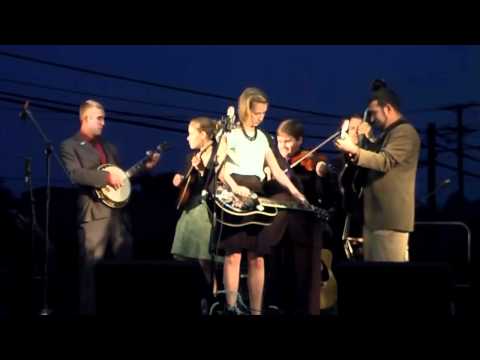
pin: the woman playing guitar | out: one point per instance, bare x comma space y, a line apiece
242, 154
192, 234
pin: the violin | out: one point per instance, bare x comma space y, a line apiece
307, 159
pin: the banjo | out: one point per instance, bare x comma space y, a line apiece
118, 198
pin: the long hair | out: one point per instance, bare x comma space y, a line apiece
205, 124
247, 98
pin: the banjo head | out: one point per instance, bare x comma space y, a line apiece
110, 196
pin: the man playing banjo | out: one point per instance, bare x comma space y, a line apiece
98, 224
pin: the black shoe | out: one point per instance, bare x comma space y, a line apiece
232, 311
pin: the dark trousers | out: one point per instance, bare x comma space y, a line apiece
294, 267
95, 238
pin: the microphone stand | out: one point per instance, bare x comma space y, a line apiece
432, 193
48, 151
34, 228
213, 247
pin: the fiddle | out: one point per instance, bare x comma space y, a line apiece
307, 159
306, 154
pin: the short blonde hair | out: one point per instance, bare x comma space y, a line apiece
247, 98
87, 104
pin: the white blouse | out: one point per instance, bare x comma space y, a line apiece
245, 157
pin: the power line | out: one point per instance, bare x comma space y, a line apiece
154, 84
147, 116
453, 107
142, 102
119, 98
126, 113
111, 118
473, 147
468, 173
471, 158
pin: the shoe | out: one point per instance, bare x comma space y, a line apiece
232, 311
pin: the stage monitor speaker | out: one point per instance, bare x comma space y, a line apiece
146, 289
384, 290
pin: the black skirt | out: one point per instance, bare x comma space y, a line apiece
254, 238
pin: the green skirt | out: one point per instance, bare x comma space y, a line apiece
192, 234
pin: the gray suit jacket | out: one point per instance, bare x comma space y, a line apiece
389, 195
81, 160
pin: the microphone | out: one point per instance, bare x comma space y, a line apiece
226, 123
442, 184
368, 116
27, 169
230, 120
446, 182
439, 186
25, 112
344, 130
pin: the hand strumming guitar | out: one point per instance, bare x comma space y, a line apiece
241, 191
347, 145
197, 163
114, 180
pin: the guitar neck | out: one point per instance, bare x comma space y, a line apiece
289, 205
282, 204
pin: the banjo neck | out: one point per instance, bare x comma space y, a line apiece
136, 168
140, 165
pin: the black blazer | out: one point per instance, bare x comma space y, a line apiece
81, 160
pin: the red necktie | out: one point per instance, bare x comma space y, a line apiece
101, 152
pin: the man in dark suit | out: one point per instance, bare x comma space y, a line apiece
99, 224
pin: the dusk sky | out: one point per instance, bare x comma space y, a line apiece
320, 79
